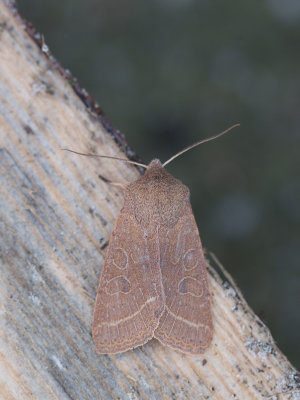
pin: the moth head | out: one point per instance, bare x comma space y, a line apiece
155, 170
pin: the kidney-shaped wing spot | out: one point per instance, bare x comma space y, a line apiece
190, 286
118, 284
130, 295
186, 322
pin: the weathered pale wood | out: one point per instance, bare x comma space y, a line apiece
56, 216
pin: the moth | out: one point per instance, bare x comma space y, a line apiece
154, 282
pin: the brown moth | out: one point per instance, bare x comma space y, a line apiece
154, 280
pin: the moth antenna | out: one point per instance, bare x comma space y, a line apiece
200, 142
111, 157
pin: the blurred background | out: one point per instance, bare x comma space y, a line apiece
168, 73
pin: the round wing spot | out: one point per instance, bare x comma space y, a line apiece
145, 268
190, 286
190, 259
118, 284
120, 258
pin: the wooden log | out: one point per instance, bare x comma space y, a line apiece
56, 217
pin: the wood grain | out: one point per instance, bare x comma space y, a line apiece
56, 219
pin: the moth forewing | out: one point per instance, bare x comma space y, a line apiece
130, 296
186, 323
